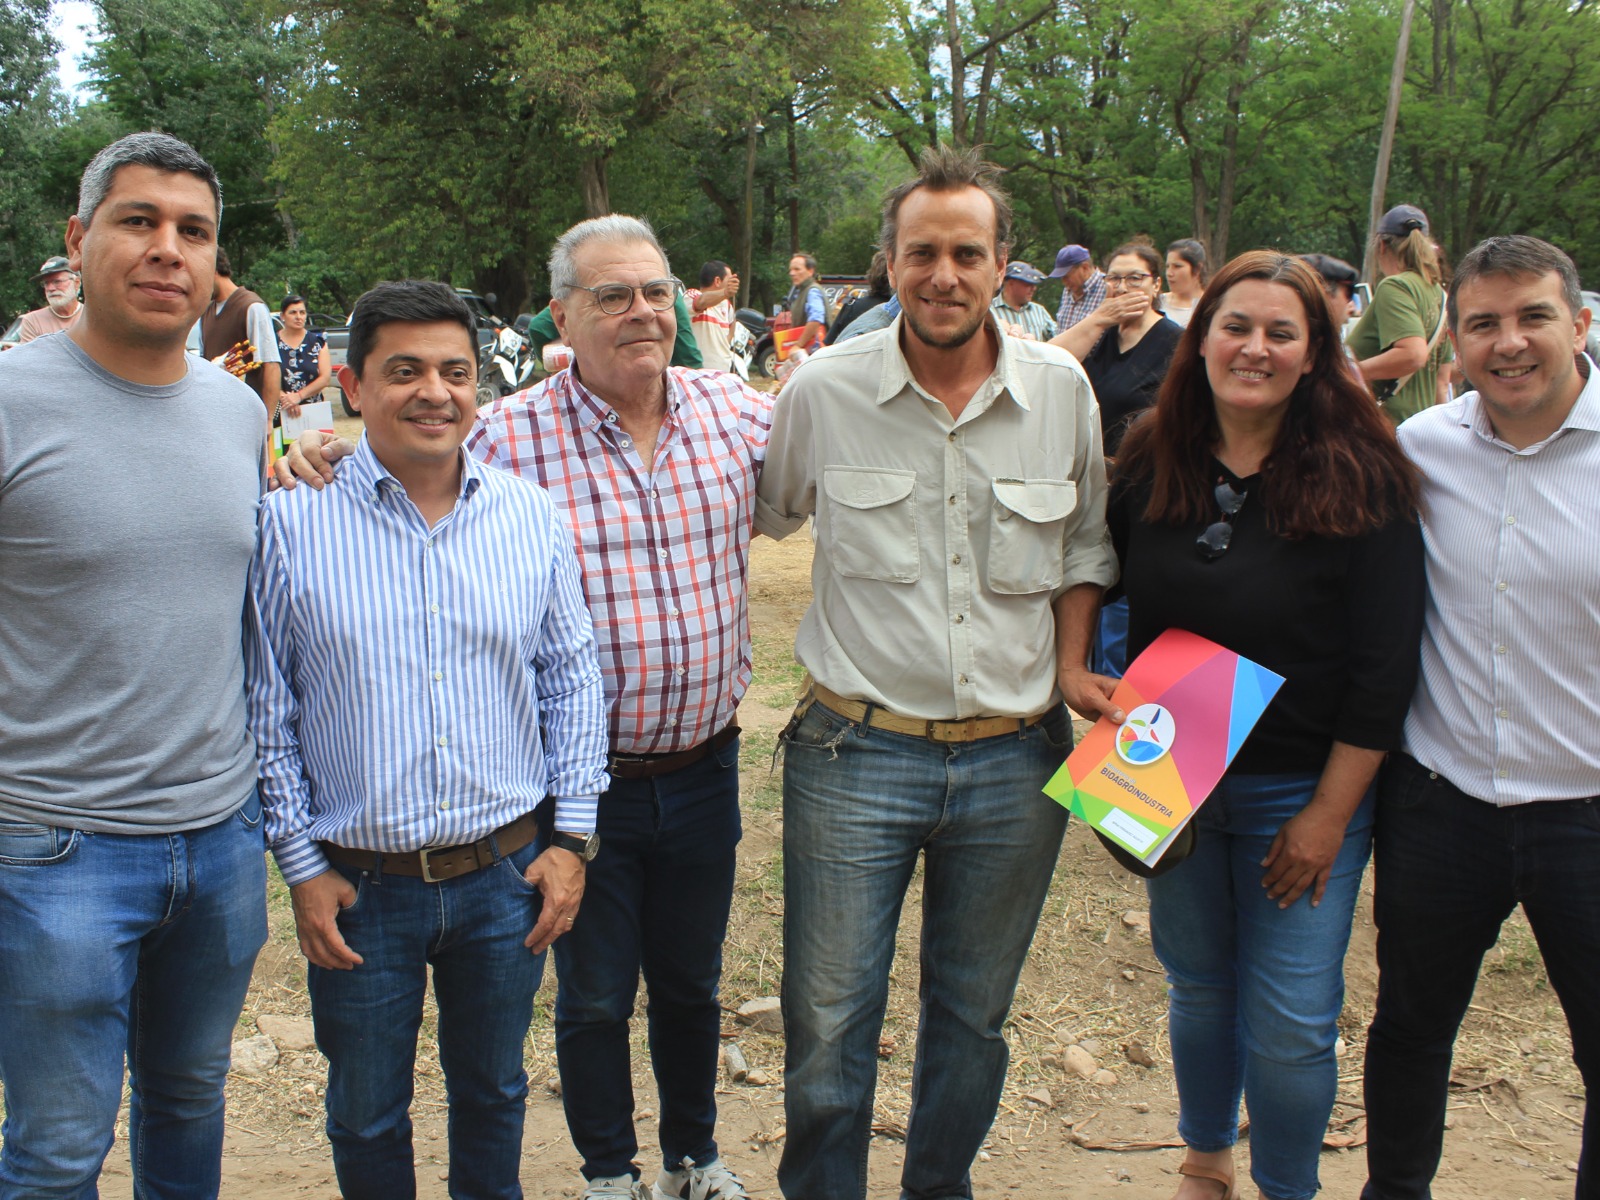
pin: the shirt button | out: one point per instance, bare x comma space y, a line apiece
438, 675
952, 435
960, 617
1511, 520
433, 608
1503, 773
1501, 586
961, 678
430, 543
444, 804
626, 443
672, 721
1504, 712
662, 552
1499, 649
672, 612
956, 558
952, 499
655, 495
444, 740
680, 672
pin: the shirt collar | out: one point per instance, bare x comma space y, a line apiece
1005, 380
373, 478
596, 412
1585, 412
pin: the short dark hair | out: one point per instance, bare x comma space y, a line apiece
224, 267
405, 300
291, 298
158, 150
949, 169
1144, 251
1515, 254
713, 271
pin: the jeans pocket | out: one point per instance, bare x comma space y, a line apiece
248, 814
1589, 813
24, 844
727, 757
1404, 783
359, 881
820, 729
1056, 730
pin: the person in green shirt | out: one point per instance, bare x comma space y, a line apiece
1398, 341
685, 350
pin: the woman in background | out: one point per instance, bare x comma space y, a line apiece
1186, 279
1264, 504
304, 355
1399, 341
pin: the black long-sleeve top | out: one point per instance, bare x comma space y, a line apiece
1339, 618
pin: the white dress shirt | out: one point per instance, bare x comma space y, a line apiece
1508, 703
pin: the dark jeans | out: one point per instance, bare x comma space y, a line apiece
470, 931
656, 899
1449, 871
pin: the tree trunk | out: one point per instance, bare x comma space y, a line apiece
592, 185
958, 74
794, 178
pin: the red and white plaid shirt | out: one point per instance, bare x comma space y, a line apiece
664, 549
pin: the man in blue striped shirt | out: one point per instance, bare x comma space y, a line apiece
422, 674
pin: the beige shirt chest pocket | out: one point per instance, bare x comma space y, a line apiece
1027, 552
872, 523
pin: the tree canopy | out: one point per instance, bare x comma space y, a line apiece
367, 139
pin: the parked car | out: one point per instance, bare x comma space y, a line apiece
12, 335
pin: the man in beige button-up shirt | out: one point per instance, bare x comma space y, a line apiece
956, 480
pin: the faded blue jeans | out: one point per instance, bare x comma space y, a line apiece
860, 806
469, 930
1255, 990
113, 948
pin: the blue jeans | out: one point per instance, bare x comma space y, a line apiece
113, 945
1450, 869
1255, 990
470, 930
860, 805
656, 899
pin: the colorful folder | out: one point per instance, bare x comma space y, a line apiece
1189, 706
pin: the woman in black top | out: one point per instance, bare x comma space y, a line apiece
1265, 504
1125, 346
304, 355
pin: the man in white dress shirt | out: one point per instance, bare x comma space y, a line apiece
1496, 799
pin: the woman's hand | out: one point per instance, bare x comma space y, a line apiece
1302, 855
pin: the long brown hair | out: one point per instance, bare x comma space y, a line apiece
1335, 469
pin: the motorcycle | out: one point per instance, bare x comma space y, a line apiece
508, 364
762, 354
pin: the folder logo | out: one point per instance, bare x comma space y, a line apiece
1146, 736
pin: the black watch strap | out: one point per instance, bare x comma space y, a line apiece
584, 846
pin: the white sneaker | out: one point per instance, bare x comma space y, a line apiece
617, 1187
711, 1182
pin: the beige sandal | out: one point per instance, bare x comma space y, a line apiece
1229, 1183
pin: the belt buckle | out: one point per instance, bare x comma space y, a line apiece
427, 870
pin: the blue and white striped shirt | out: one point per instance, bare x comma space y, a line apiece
412, 687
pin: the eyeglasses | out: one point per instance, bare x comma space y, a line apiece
617, 298
1214, 542
1137, 278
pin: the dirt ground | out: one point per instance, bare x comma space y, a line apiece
1091, 980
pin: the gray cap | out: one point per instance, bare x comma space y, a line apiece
54, 266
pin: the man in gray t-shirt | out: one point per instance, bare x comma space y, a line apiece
132, 880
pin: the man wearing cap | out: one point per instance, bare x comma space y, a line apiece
1083, 286
1014, 305
61, 307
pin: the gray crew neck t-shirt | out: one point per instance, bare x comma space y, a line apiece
122, 588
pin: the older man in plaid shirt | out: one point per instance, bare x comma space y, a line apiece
654, 468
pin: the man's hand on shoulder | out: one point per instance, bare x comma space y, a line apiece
311, 458
559, 876
316, 903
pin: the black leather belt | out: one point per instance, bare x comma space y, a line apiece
648, 766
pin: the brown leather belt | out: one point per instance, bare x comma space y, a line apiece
648, 766
970, 730
444, 862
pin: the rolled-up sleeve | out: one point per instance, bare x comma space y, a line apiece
787, 493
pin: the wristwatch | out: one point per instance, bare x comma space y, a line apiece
585, 846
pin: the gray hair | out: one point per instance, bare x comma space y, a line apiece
611, 228
1515, 254
158, 150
